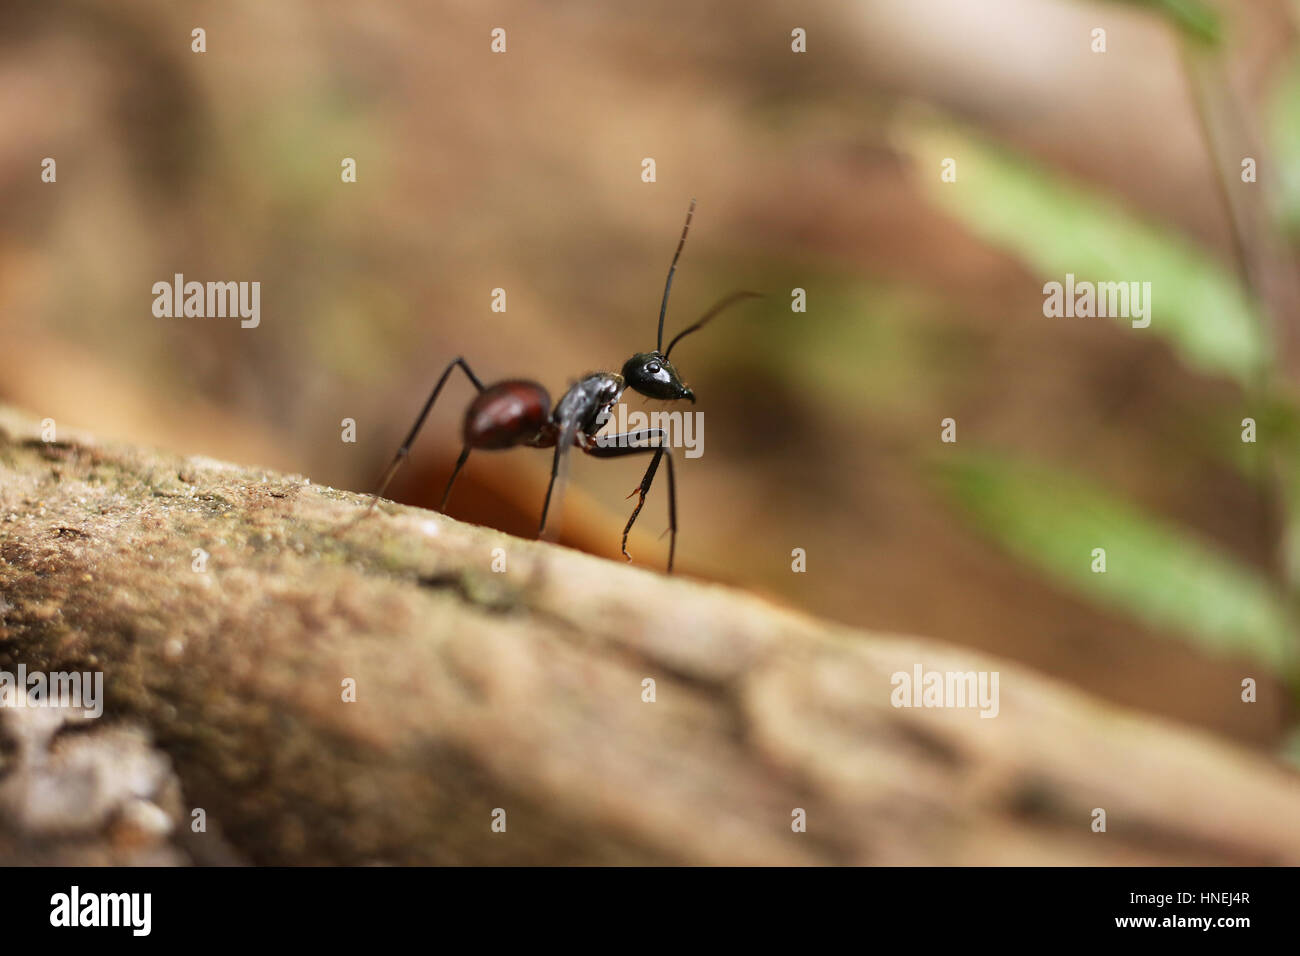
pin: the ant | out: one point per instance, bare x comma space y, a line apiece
518, 412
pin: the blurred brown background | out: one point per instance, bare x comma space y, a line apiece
522, 171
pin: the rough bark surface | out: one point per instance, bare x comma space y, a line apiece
522, 690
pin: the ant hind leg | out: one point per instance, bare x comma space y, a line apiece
419, 422
460, 463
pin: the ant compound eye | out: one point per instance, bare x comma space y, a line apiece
653, 368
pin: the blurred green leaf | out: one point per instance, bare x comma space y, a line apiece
1154, 570
1056, 227
1193, 17
1290, 749
1284, 115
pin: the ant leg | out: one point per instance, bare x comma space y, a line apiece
566, 436
560, 451
419, 422
460, 463
625, 446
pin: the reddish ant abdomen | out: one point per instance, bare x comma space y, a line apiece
506, 415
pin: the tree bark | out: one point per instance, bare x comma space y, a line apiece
520, 693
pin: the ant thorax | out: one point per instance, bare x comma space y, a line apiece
585, 406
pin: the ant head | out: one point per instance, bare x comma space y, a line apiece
651, 374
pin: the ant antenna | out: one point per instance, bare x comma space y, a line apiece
671, 269
721, 305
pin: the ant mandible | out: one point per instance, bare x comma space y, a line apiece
518, 412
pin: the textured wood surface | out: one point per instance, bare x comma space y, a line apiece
521, 690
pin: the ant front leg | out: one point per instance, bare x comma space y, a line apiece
415, 430
631, 443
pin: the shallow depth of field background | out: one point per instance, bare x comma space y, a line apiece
818, 171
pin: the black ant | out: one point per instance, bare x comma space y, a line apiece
518, 412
